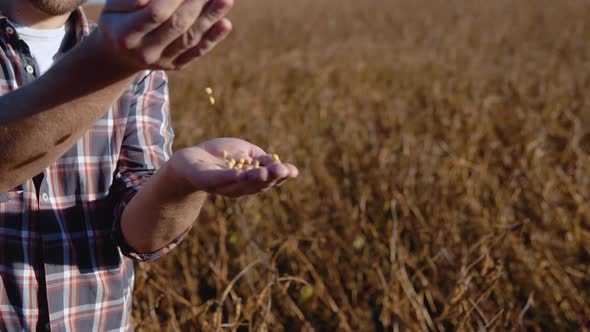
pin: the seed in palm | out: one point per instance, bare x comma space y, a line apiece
231, 164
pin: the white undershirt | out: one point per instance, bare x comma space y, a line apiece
43, 43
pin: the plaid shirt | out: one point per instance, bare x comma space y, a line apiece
63, 262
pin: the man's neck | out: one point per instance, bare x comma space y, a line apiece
23, 13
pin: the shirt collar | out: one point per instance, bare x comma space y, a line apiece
81, 24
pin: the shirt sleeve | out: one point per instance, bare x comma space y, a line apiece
146, 146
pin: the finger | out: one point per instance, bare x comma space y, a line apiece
275, 181
213, 12
124, 6
146, 21
210, 180
293, 173
160, 11
238, 190
277, 171
216, 10
293, 170
175, 27
252, 182
217, 34
243, 189
256, 175
267, 159
281, 182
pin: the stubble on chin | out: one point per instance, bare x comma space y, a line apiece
56, 7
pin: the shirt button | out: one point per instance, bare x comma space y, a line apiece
10, 30
30, 69
45, 197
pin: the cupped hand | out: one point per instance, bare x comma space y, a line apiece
206, 168
161, 34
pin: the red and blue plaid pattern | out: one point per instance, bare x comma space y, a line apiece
63, 262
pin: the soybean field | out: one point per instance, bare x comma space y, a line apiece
444, 149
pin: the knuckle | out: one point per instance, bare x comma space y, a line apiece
157, 15
180, 23
214, 14
147, 59
205, 47
191, 39
126, 43
198, 52
202, 25
206, 23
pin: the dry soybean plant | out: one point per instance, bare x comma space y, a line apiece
444, 149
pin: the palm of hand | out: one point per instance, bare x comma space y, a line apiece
205, 167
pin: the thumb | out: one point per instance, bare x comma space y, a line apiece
124, 6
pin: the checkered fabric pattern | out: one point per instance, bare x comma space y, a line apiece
64, 264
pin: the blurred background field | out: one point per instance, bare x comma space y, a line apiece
444, 149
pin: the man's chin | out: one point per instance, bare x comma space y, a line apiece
56, 7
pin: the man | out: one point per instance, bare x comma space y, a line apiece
87, 179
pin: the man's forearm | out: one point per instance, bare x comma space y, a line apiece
164, 208
40, 122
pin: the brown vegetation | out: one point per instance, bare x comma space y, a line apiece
445, 157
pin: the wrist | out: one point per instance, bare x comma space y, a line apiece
175, 173
103, 53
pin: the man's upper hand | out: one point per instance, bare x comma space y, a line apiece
161, 34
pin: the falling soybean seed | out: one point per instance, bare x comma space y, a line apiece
209, 91
212, 100
276, 157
